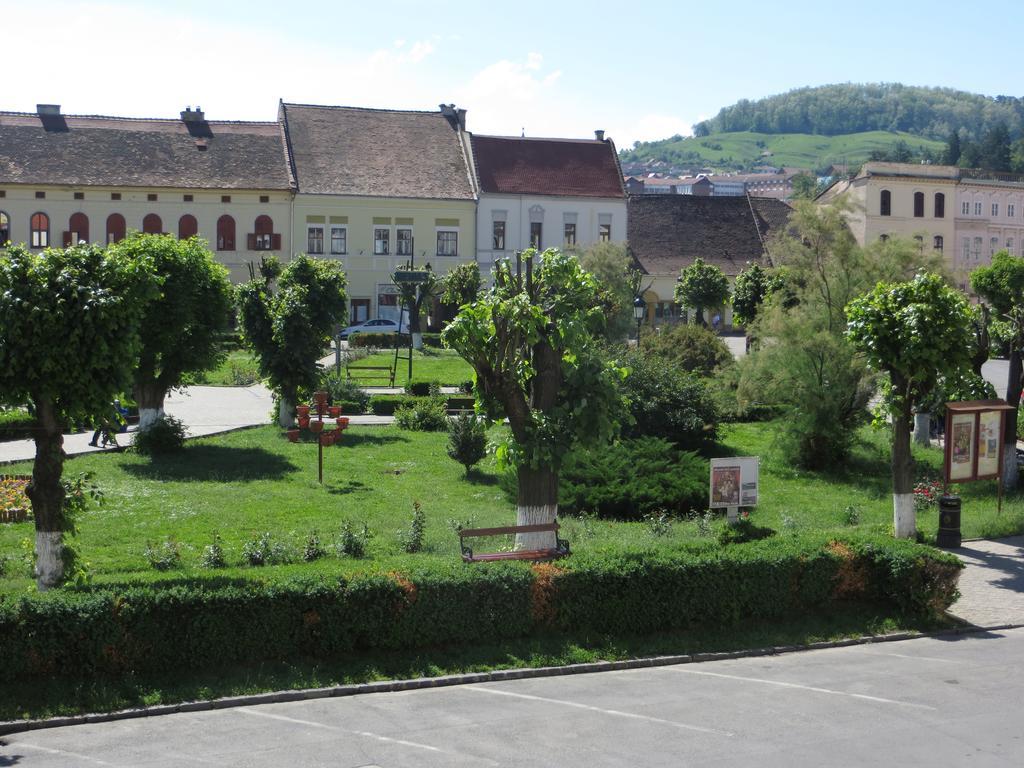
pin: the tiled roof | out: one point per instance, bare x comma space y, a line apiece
667, 232
131, 152
526, 166
375, 152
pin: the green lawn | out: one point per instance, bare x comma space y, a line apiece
442, 365
238, 369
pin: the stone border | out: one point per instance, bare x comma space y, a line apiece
390, 686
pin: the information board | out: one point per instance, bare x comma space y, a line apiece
734, 482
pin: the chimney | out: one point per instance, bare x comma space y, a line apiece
462, 118
48, 110
456, 117
599, 135
193, 116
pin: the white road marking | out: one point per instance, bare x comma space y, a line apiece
61, 752
902, 656
797, 686
590, 708
367, 734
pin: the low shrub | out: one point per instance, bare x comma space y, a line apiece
425, 414
165, 435
467, 440
669, 403
263, 550
423, 387
164, 556
114, 630
345, 392
432, 341
632, 478
213, 554
313, 549
412, 538
378, 340
386, 405
352, 543
691, 348
15, 424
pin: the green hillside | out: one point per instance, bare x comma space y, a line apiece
746, 150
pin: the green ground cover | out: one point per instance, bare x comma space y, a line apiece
238, 369
246, 483
442, 365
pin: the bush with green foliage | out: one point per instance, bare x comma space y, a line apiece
690, 347
632, 478
312, 548
386, 405
352, 542
425, 414
263, 550
135, 628
164, 556
213, 554
378, 340
344, 392
669, 403
165, 435
467, 440
413, 538
15, 423
423, 387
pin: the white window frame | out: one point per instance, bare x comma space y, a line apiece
309, 238
504, 234
995, 209
1011, 210
377, 240
977, 208
965, 208
399, 241
438, 231
567, 233
343, 229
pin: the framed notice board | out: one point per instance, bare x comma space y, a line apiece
974, 440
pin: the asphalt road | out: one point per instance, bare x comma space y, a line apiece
947, 701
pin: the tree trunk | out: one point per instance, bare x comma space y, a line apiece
417, 340
47, 496
286, 412
1013, 390
537, 503
150, 397
923, 428
698, 313
904, 516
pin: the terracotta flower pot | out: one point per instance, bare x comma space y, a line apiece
334, 411
342, 421
320, 397
303, 422
316, 426
326, 439
293, 435
302, 410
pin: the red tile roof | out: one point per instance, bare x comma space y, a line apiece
524, 166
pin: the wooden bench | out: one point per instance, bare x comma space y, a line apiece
383, 372
561, 548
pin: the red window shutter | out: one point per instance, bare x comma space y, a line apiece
277, 242
251, 238
66, 237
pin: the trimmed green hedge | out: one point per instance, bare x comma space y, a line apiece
162, 627
15, 424
378, 340
386, 405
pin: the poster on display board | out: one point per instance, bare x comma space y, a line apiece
990, 443
974, 440
734, 482
961, 441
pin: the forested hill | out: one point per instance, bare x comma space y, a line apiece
833, 110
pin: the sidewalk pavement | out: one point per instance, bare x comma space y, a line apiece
992, 584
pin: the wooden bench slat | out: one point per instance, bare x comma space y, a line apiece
530, 554
538, 528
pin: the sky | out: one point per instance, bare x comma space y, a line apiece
640, 71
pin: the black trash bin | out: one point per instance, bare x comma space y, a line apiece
949, 522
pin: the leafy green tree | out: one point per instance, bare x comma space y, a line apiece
804, 186
995, 149
462, 285
1002, 285
749, 293
612, 265
1017, 156
701, 285
180, 325
413, 296
688, 347
916, 332
531, 342
69, 340
952, 153
290, 327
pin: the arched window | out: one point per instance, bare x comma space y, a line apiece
187, 227
225, 233
40, 228
937, 243
940, 205
918, 205
885, 208
115, 228
78, 229
152, 225
5, 228
263, 238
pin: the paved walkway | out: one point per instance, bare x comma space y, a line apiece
992, 584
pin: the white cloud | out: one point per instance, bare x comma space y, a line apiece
651, 127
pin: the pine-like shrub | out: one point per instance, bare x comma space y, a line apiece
467, 440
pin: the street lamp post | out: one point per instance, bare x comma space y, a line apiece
639, 308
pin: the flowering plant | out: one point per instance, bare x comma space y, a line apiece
926, 494
12, 493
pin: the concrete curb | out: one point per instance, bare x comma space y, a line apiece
391, 686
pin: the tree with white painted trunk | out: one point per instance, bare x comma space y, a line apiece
181, 324
916, 332
413, 295
531, 340
1002, 285
69, 340
289, 326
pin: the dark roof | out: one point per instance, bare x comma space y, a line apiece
133, 152
525, 166
667, 232
375, 152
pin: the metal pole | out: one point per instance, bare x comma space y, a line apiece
337, 355
320, 457
638, 322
